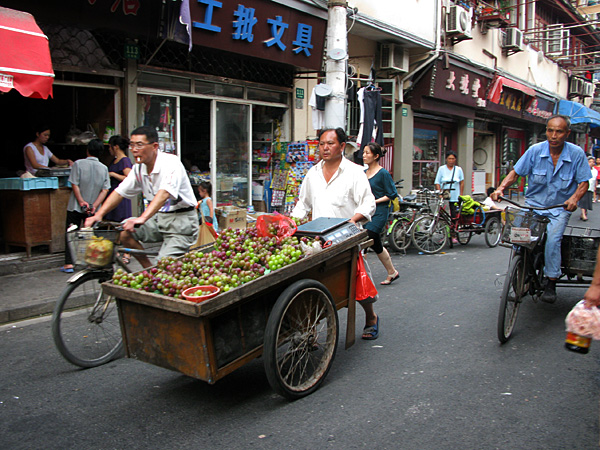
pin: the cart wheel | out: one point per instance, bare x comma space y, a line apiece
300, 339
463, 237
492, 232
511, 299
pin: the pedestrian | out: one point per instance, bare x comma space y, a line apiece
206, 206
89, 183
336, 187
118, 171
384, 190
451, 179
557, 173
586, 201
171, 216
597, 167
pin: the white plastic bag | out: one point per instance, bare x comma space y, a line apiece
584, 321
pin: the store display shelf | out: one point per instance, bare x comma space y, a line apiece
28, 184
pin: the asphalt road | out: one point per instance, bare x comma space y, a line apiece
436, 378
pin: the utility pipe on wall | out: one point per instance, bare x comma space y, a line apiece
335, 69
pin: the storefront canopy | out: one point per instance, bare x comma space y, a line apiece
25, 63
501, 82
579, 113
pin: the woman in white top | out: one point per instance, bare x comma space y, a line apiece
37, 155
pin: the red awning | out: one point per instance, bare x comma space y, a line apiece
498, 84
25, 63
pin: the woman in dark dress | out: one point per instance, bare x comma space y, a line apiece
384, 190
118, 170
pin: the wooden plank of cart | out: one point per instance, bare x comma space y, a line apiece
289, 316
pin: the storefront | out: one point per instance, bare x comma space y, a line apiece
488, 119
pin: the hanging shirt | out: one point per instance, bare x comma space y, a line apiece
318, 116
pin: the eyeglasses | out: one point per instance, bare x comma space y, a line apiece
139, 145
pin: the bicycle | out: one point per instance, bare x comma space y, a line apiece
431, 232
85, 322
401, 222
525, 232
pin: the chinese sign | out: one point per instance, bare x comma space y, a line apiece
6, 81
466, 85
261, 29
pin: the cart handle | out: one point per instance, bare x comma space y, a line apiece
538, 208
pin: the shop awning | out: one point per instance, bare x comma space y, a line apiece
25, 63
500, 82
579, 113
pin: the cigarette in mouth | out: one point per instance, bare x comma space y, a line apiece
138, 159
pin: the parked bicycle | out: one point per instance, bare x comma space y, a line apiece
85, 322
431, 232
401, 222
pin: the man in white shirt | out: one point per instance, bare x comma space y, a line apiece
336, 187
170, 217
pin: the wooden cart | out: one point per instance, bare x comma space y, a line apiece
289, 316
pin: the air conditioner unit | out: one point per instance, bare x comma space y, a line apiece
458, 21
588, 89
393, 57
576, 86
513, 39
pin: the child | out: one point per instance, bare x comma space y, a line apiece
205, 205
491, 204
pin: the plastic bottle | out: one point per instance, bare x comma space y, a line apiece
577, 343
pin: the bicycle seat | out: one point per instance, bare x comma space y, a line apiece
409, 198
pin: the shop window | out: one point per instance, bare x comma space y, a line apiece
169, 82
426, 156
223, 90
267, 96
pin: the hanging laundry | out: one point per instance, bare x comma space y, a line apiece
371, 128
317, 103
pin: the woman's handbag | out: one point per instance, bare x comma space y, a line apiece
364, 285
446, 192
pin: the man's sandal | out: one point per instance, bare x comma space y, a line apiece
371, 333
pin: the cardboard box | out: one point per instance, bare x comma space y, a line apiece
259, 206
258, 191
231, 217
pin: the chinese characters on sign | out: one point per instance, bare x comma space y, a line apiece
244, 21
465, 88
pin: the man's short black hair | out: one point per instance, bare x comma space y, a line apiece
339, 132
95, 147
149, 132
567, 119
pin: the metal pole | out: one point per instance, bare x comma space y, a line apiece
335, 70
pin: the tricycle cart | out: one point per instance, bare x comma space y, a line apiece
288, 316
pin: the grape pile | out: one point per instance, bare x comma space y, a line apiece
240, 256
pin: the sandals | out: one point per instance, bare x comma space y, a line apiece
371, 333
390, 281
66, 269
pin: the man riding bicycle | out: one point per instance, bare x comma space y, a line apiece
170, 217
558, 173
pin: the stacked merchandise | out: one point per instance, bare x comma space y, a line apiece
287, 178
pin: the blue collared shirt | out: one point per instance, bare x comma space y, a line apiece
548, 185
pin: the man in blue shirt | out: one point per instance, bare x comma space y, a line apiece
558, 173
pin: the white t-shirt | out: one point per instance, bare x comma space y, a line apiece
593, 180
318, 117
168, 174
347, 193
42, 160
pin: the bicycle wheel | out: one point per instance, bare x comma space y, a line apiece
300, 339
463, 237
399, 237
429, 234
85, 322
493, 230
511, 299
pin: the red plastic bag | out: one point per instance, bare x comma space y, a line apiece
364, 285
271, 225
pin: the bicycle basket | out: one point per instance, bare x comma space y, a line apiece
92, 247
523, 227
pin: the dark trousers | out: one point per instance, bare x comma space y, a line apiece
77, 218
372, 107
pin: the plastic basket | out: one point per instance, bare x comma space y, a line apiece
523, 227
579, 250
82, 254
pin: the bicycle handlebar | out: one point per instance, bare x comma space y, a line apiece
538, 208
